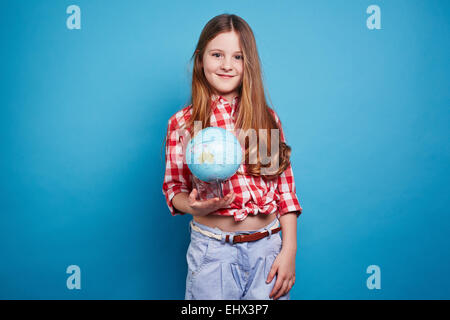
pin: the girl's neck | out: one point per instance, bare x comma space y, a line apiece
228, 97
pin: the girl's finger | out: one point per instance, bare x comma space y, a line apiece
217, 202
283, 290
193, 195
213, 201
276, 287
225, 199
231, 199
289, 286
272, 273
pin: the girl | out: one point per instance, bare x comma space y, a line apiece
236, 251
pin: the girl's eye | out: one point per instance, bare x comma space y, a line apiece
216, 54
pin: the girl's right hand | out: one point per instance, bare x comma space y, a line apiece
204, 207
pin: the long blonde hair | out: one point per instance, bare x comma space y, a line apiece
253, 110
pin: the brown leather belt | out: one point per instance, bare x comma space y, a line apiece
237, 238
250, 237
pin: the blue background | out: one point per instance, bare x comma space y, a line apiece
83, 115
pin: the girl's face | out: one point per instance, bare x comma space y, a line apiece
223, 56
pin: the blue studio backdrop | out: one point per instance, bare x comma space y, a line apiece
362, 89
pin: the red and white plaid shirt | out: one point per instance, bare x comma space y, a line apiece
253, 194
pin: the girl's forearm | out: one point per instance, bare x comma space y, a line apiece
288, 223
181, 202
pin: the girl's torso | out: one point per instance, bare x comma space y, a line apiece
257, 200
227, 223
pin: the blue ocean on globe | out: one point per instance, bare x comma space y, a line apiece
214, 154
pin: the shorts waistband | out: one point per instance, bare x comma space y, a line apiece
221, 232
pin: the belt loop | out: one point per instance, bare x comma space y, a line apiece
269, 232
223, 238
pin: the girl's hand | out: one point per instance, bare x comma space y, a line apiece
284, 267
204, 207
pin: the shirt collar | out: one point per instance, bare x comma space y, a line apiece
219, 102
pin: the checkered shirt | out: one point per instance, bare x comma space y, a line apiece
253, 194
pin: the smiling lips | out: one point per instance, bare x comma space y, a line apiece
225, 76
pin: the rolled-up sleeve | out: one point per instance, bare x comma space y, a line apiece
177, 173
288, 200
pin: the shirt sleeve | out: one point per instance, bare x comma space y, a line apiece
177, 173
288, 201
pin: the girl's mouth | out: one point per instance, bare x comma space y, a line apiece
225, 76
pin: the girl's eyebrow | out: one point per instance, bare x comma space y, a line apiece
223, 51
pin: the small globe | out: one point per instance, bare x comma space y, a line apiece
213, 154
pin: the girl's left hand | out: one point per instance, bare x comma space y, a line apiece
284, 267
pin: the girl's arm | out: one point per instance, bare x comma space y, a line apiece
284, 264
180, 202
188, 203
289, 234
181, 198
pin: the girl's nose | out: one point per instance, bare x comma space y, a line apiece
226, 64
226, 67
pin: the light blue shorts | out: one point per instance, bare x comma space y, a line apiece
220, 270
